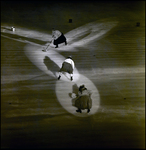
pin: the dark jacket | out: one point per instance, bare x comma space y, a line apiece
84, 100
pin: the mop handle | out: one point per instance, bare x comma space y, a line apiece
49, 44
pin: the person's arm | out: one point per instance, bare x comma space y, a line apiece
72, 63
53, 35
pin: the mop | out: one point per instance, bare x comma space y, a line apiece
45, 50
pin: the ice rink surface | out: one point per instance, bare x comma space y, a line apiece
107, 43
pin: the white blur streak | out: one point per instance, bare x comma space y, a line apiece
94, 30
23, 41
27, 33
36, 56
34, 52
98, 72
64, 88
125, 70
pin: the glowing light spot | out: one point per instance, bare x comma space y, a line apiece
63, 90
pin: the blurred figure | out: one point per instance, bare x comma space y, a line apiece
58, 37
83, 100
67, 66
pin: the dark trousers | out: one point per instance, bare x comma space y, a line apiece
66, 67
61, 39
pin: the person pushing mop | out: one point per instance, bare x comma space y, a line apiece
57, 38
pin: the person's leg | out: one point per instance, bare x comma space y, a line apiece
60, 73
71, 76
62, 70
56, 46
65, 41
79, 110
55, 43
88, 110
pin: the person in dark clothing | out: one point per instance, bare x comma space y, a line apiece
83, 100
58, 37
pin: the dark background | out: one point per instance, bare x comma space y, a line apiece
31, 116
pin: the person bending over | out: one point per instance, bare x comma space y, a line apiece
67, 66
83, 100
58, 37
